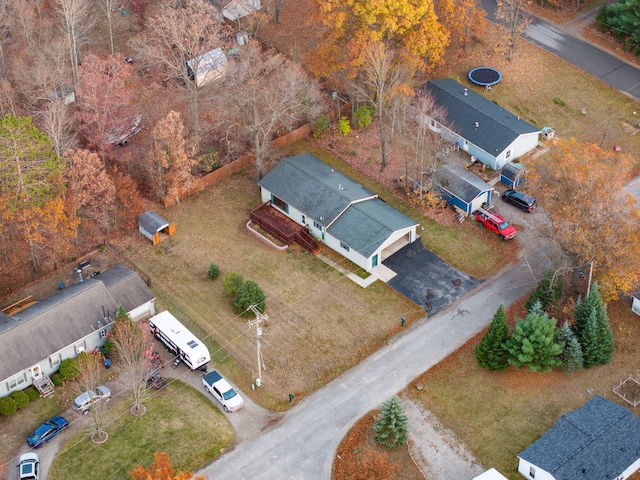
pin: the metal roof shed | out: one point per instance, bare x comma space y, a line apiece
512, 174
151, 225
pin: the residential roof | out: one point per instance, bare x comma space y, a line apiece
496, 127
599, 440
313, 187
67, 316
460, 182
151, 222
491, 474
512, 170
365, 226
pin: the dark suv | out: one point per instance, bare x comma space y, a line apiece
524, 202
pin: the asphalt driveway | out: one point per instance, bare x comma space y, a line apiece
426, 279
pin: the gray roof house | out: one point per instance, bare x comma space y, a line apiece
598, 441
485, 130
75, 319
346, 216
461, 188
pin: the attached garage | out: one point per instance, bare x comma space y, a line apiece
462, 189
153, 226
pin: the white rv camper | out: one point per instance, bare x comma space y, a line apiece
179, 340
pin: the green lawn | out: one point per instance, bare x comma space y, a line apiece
179, 421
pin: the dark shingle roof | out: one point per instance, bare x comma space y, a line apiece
598, 441
151, 222
461, 183
311, 186
512, 170
497, 127
67, 316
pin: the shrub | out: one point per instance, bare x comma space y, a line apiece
8, 406
392, 425
210, 161
69, 369
320, 125
249, 294
21, 399
559, 101
57, 379
214, 271
362, 117
32, 393
344, 126
231, 282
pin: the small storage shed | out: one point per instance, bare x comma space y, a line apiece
512, 174
207, 67
151, 225
461, 188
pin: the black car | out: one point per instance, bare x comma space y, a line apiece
524, 202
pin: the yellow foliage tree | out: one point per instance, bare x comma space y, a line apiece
351, 26
592, 217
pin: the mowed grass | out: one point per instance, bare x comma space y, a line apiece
498, 414
320, 323
179, 421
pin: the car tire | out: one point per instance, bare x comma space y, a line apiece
207, 389
226, 409
480, 223
502, 237
86, 412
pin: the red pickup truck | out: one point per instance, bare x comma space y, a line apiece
495, 223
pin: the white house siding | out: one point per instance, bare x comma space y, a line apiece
524, 468
352, 255
143, 311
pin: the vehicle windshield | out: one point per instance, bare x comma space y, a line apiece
41, 430
503, 225
229, 394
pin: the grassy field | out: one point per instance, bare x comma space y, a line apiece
169, 425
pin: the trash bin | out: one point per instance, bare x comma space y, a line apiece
107, 363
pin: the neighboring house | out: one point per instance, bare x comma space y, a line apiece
207, 67
75, 319
343, 214
512, 175
151, 225
491, 474
461, 188
635, 303
480, 127
600, 440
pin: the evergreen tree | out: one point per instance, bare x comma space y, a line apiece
605, 338
533, 344
548, 291
249, 294
589, 341
572, 351
583, 309
391, 427
491, 352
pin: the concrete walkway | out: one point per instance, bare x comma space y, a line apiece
302, 444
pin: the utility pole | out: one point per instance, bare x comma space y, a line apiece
260, 317
589, 283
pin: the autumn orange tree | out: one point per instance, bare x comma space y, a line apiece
350, 26
161, 469
592, 218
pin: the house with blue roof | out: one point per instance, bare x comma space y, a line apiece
344, 215
481, 128
598, 441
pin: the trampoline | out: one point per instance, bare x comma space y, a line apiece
485, 76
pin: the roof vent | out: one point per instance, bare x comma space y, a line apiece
332, 170
465, 92
340, 187
477, 125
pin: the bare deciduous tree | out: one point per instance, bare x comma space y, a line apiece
266, 95
132, 345
175, 35
108, 6
77, 18
513, 16
92, 374
56, 123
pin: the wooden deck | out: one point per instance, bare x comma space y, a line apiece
283, 228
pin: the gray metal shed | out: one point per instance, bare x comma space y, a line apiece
151, 225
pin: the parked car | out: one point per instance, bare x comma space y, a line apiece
29, 466
494, 222
83, 403
524, 202
47, 431
217, 386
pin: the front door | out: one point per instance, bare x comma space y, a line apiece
36, 372
374, 261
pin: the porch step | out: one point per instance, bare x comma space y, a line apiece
44, 385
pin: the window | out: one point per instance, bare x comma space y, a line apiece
280, 204
346, 247
433, 123
304, 220
532, 472
508, 154
103, 333
79, 348
16, 381
317, 225
54, 360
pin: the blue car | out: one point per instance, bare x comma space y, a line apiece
47, 431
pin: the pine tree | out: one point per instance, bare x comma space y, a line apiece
572, 350
491, 352
605, 337
589, 341
548, 291
391, 427
533, 344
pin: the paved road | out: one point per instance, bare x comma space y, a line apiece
599, 63
301, 445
